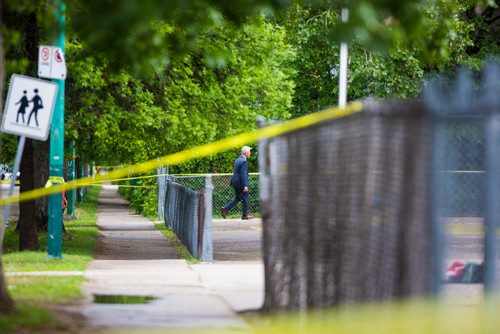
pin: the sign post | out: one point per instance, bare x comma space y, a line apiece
6, 208
344, 50
54, 239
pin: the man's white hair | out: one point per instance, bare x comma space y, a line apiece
245, 149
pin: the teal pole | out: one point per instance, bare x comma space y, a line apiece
54, 238
71, 194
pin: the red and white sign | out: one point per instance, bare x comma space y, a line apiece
45, 54
51, 63
58, 57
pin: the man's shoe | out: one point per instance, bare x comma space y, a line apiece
224, 212
247, 217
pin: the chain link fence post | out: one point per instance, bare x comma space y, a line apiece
207, 246
492, 209
491, 99
162, 188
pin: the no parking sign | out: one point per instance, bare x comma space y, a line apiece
51, 63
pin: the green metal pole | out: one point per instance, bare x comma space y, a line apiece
71, 194
54, 240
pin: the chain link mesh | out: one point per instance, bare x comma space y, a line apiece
377, 205
466, 190
345, 213
223, 192
182, 214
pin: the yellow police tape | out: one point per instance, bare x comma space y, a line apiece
193, 153
122, 186
157, 175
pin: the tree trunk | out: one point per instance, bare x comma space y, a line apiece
41, 150
6, 302
27, 227
30, 165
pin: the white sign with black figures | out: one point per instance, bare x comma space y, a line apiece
29, 107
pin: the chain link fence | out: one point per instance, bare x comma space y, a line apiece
188, 214
374, 206
466, 189
188, 203
345, 210
223, 192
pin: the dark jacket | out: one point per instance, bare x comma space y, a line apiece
240, 173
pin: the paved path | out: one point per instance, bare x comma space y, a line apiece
237, 240
132, 258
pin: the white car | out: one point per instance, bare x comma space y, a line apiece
8, 176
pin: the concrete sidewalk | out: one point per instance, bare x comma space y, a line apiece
132, 258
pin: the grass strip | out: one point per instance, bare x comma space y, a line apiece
45, 289
181, 250
27, 319
35, 296
78, 243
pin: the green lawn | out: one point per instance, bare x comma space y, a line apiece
45, 289
34, 295
27, 319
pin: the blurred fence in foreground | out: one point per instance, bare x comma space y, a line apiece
334, 199
359, 209
465, 116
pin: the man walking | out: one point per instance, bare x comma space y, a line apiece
239, 182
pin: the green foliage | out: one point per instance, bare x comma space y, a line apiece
142, 195
117, 28
198, 98
145, 35
444, 34
371, 73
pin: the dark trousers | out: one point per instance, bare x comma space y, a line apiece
239, 195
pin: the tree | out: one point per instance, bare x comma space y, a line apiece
400, 70
6, 302
34, 170
197, 98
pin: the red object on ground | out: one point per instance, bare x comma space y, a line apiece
454, 270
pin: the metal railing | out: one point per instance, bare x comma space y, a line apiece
189, 214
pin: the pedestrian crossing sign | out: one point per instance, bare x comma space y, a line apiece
29, 107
